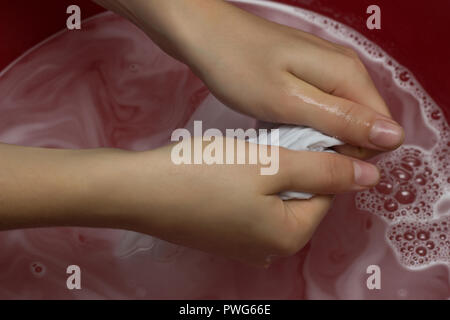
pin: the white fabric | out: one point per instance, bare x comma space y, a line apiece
300, 139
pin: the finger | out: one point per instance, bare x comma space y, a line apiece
308, 215
341, 74
355, 84
302, 217
349, 121
347, 79
321, 173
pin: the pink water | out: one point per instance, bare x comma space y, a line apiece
108, 85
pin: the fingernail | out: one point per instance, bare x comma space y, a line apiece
386, 134
366, 175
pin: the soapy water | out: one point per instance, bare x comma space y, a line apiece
110, 86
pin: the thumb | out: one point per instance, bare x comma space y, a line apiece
322, 173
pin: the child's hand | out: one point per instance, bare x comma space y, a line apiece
231, 210
269, 71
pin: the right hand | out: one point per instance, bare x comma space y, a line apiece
270, 71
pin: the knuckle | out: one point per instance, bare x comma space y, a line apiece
330, 167
274, 102
353, 71
349, 51
351, 60
286, 164
334, 169
349, 112
355, 64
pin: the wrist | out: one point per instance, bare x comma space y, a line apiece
85, 178
125, 190
182, 28
53, 187
108, 173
